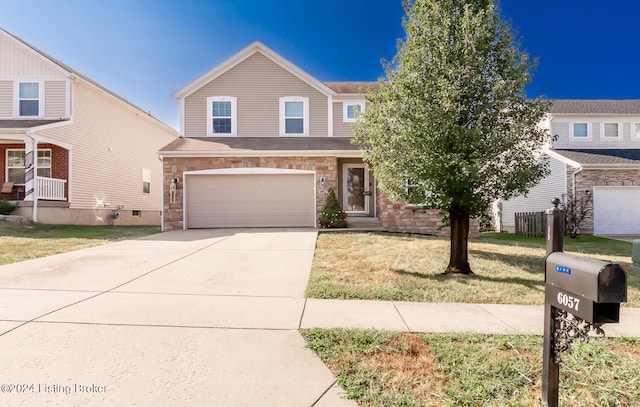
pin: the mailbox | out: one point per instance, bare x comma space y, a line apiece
589, 289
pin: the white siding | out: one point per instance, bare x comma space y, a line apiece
55, 98
6, 99
112, 143
539, 197
17, 60
561, 127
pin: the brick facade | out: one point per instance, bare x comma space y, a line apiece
59, 165
326, 167
395, 216
589, 178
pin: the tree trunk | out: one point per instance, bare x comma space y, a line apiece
459, 256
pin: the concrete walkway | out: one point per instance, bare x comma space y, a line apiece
199, 317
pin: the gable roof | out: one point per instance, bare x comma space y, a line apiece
596, 107
250, 50
73, 74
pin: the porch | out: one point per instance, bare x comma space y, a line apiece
49, 189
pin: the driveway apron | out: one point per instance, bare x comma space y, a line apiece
196, 317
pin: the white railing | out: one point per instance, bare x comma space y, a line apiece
51, 188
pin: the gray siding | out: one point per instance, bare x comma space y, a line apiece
539, 197
257, 83
6, 99
561, 127
55, 98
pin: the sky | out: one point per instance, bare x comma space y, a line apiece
145, 50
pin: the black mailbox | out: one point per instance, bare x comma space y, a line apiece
589, 289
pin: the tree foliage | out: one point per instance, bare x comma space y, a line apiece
451, 118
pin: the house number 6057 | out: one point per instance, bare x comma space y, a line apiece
568, 301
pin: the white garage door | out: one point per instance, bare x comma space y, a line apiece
616, 210
250, 200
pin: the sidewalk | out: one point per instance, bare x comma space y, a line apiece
444, 317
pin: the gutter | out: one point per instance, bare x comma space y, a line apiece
263, 153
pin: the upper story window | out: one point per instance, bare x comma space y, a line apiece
294, 116
29, 99
611, 130
221, 113
580, 130
351, 110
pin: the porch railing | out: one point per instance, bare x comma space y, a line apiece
51, 188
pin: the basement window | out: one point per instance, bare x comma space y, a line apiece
136, 214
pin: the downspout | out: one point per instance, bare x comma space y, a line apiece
573, 186
34, 212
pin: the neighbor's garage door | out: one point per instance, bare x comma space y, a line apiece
616, 210
250, 200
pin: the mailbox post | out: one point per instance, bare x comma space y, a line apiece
590, 290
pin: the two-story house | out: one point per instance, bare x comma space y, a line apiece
263, 141
596, 153
72, 151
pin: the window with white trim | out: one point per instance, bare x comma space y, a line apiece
636, 131
222, 114
351, 110
29, 99
611, 130
294, 116
146, 180
413, 188
580, 130
16, 165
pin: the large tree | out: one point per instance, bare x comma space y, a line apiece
451, 127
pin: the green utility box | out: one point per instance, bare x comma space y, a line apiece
635, 256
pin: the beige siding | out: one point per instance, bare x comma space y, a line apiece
55, 98
112, 143
20, 61
340, 128
6, 99
257, 83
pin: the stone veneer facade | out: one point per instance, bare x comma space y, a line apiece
589, 178
395, 216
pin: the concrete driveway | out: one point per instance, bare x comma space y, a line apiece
198, 317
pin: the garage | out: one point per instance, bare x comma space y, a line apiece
249, 197
616, 210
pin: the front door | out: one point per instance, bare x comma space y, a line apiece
356, 191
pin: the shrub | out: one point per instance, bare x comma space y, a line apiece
6, 207
332, 215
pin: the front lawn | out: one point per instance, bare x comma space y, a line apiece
24, 241
378, 368
508, 269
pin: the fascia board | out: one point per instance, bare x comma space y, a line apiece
262, 153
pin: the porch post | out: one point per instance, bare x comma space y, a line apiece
30, 174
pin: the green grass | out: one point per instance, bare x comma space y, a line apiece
397, 267
392, 369
581, 244
20, 241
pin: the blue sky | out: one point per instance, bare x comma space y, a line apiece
145, 50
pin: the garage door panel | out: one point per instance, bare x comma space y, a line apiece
240, 200
616, 210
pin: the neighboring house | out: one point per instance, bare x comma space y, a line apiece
262, 143
596, 154
74, 151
